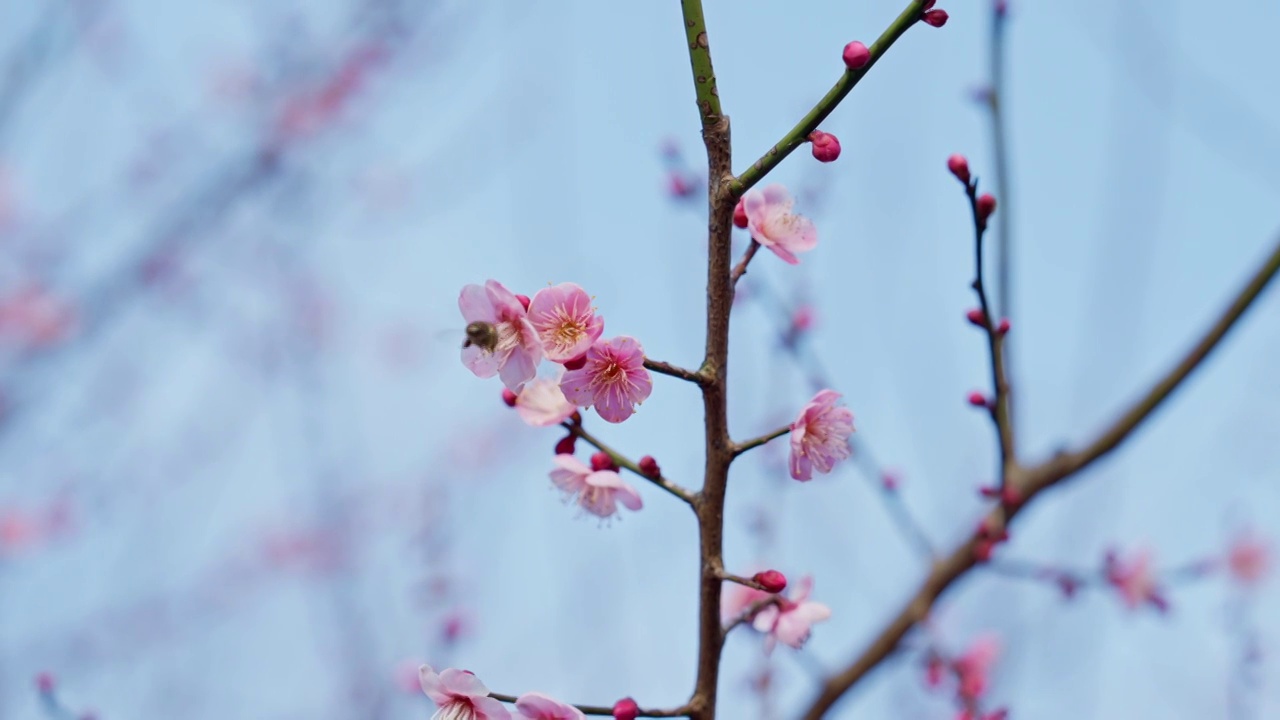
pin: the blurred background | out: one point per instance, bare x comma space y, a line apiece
243, 473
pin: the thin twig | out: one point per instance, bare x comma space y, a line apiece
674, 371
625, 462
827, 104
741, 268
1000, 151
739, 448
682, 711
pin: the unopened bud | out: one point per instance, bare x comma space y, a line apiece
626, 709
577, 363
976, 317
977, 399
982, 550
936, 18
524, 300
986, 207
45, 682
959, 166
509, 397
771, 580
856, 55
1010, 496
649, 467
1004, 326
890, 481
566, 445
602, 461
740, 215
826, 148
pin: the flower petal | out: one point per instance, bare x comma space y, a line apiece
476, 306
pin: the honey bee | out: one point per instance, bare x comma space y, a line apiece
482, 335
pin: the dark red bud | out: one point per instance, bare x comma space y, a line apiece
771, 580
826, 148
626, 709
856, 55
976, 317
566, 445
936, 18
977, 399
740, 215
45, 682
524, 300
649, 467
959, 166
982, 551
986, 207
577, 363
602, 461
508, 397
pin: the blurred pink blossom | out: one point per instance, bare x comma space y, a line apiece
460, 695
596, 491
773, 225
1135, 579
613, 379
789, 622
737, 599
1248, 558
541, 403
515, 358
536, 706
820, 436
973, 668
35, 317
565, 321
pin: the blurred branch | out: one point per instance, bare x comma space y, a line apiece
1030, 481
682, 711
794, 139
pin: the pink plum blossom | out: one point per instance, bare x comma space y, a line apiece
613, 379
820, 436
773, 225
536, 706
1135, 579
542, 403
973, 668
596, 491
515, 358
460, 696
1248, 559
789, 621
565, 321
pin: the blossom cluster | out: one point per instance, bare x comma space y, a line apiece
514, 334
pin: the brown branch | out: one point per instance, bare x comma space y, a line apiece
741, 268
674, 371
739, 448
682, 711
1030, 482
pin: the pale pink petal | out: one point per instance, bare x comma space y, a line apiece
613, 406
542, 403
536, 706
776, 195
621, 490
791, 630
432, 685
577, 387
476, 306
505, 303
489, 709
736, 599
519, 368
570, 474
802, 589
766, 618
461, 682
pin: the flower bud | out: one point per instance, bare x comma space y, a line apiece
856, 55
602, 461
959, 166
986, 206
509, 397
1003, 327
826, 148
1010, 496
976, 317
649, 467
577, 363
977, 399
45, 682
626, 709
890, 481
982, 551
524, 300
771, 580
936, 18
740, 215
566, 444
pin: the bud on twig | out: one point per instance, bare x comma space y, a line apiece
826, 148
856, 55
771, 580
649, 467
959, 166
626, 709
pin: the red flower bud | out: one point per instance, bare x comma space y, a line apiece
740, 215
576, 418
771, 580
1010, 496
649, 467
982, 551
826, 148
977, 399
508, 397
566, 445
856, 55
45, 682
986, 206
602, 461
1003, 327
936, 18
577, 363
890, 481
959, 166
976, 317
989, 491
626, 709
524, 300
